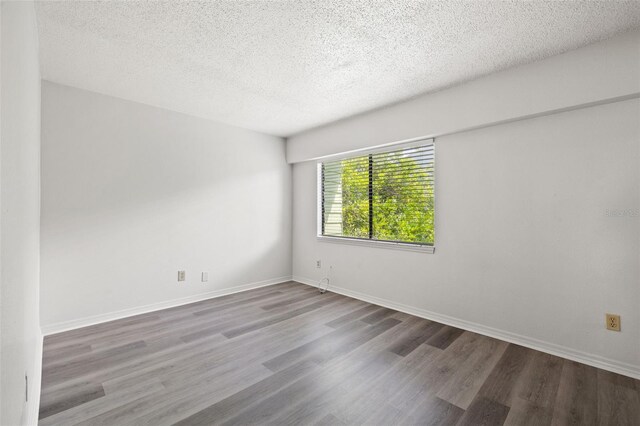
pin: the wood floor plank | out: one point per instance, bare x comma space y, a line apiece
60, 372
456, 373
540, 379
444, 337
266, 409
577, 397
286, 354
378, 315
415, 338
385, 373
366, 397
435, 412
242, 302
64, 354
384, 414
247, 311
404, 381
148, 368
80, 413
345, 342
217, 349
607, 377
239, 317
484, 412
306, 297
350, 399
310, 398
140, 323
174, 403
66, 399
618, 400
257, 325
318, 349
173, 321
312, 406
329, 420
69, 337
385, 340
469, 376
426, 380
235, 403
524, 413
352, 316
366, 378
501, 383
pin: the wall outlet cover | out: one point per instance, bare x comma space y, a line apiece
182, 275
205, 277
613, 322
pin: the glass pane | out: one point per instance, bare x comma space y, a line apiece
403, 202
402, 196
355, 198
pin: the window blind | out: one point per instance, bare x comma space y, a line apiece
384, 196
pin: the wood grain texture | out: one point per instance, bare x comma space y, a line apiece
484, 412
286, 354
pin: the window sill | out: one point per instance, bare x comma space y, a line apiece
378, 244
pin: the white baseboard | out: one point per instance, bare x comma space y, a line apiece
539, 345
97, 319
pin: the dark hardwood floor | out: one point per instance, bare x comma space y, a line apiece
286, 354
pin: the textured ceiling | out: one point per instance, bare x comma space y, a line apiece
285, 66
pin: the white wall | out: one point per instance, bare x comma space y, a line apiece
601, 71
525, 250
21, 349
131, 194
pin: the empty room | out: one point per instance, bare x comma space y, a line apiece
296, 212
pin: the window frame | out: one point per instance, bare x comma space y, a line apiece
367, 242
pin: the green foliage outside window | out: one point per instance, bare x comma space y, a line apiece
402, 197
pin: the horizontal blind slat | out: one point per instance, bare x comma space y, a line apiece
402, 186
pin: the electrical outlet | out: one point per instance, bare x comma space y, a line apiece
205, 277
182, 275
318, 264
613, 322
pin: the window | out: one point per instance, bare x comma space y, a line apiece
383, 197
